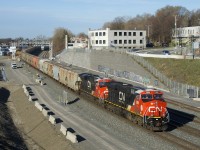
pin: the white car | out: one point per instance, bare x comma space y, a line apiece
14, 66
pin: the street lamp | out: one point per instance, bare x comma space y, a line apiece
175, 33
192, 41
148, 33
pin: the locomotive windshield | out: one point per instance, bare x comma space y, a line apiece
102, 84
149, 97
158, 97
146, 97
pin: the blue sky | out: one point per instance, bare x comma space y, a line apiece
31, 18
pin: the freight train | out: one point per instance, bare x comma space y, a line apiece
142, 106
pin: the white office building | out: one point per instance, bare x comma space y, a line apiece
187, 32
184, 36
127, 39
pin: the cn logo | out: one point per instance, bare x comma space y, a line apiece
154, 109
121, 97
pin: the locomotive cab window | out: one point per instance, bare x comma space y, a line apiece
146, 97
102, 84
158, 97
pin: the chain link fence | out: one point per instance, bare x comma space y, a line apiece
173, 86
124, 74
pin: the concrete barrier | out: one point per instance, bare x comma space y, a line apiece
37, 80
72, 137
27, 93
23, 86
32, 98
63, 129
38, 106
52, 119
45, 112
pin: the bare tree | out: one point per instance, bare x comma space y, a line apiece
160, 25
82, 35
59, 38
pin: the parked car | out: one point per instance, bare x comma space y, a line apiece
150, 45
166, 52
13, 65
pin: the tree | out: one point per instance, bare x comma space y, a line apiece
59, 38
82, 35
194, 19
160, 25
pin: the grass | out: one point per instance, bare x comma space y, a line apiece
184, 71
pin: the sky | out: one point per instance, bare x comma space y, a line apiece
32, 18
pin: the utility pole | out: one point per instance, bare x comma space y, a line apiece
175, 33
148, 32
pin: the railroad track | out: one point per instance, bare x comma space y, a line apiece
174, 125
182, 105
180, 142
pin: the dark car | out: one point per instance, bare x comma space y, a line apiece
150, 45
166, 52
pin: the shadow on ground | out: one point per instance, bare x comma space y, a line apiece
10, 138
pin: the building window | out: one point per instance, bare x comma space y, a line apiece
96, 34
120, 33
100, 41
134, 41
120, 41
141, 41
96, 41
129, 41
129, 33
125, 41
92, 41
134, 33
100, 33
125, 33
115, 33
141, 33
104, 33
115, 41
104, 41
92, 34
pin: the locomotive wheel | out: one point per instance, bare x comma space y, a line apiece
136, 120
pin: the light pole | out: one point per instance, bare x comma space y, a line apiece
192, 46
175, 33
148, 32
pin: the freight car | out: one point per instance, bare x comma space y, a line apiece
145, 107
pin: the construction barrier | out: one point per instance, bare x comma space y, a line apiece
23, 86
32, 98
72, 137
52, 120
63, 129
45, 112
37, 105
